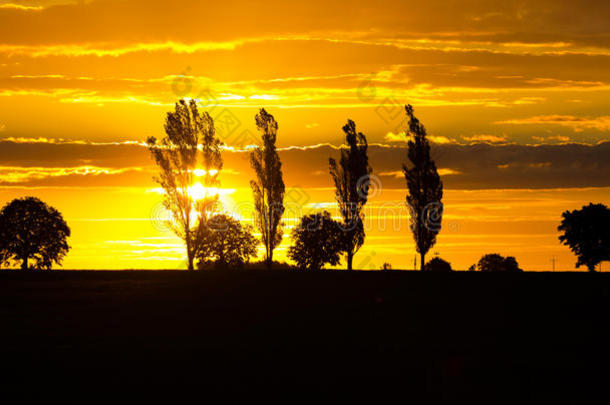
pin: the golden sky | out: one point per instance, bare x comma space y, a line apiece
514, 94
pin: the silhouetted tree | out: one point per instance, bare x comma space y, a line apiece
438, 265
226, 243
190, 144
386, 266
268, 189
425, 188
32, 230
352, 177
497, 263
587, 233
317, 240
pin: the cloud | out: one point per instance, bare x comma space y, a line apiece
20, 7
23, 175
392, 137
485, 138
578, 124
463, 166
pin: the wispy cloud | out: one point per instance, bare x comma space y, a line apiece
12, 174
578, 124
21, 7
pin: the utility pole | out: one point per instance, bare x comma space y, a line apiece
553, 261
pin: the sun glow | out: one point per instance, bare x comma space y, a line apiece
203, 172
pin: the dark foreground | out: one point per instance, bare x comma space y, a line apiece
305, 336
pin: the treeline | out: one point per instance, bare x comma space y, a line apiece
34, 235
191, 152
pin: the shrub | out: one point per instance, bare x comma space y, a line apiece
438, 265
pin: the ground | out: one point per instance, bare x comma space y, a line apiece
300, 336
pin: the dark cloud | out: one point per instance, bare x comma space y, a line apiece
584, 22
475, 166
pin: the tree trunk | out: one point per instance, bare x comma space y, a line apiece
270, 258
189, 256
422, 259
190, 259
350, 258
24, 264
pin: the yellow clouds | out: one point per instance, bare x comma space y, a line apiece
20, 7
485, 138
578, 124
12, 174
115, 50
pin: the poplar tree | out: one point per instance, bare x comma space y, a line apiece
189, 154
352, 178
425, 188
268, 188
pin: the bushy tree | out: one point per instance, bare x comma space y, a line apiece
425, 188
587, 233
268, 188
226, 243
438, 265
497, 263
190, 144
352, 177
317, 240
33, 233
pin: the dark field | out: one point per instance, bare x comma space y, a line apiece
305, 336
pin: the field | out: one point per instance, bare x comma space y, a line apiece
304, 336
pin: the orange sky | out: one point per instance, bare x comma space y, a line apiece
514, 94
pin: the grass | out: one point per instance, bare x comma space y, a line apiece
428, 336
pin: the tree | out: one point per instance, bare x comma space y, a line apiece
587, 233
352, 177
386, 266
497, 263
226, 243
425, 188
438, 265
268, 189
317, 240
189, 151
32, 230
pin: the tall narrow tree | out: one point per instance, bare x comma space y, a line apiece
189, 160
268, 188
425, 188
352, 177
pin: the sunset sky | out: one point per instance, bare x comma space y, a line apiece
515, 96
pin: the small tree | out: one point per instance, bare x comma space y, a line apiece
351, 178
32, 230
190, 151
425, 188
317, 240
268, 189
497, 263
587, 233
386, 266
226, 243
438, 265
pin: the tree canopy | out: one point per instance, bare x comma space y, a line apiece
494, 262
425, 188
438, 265
33, 233
226, 243
587, 233
352, 177
317, 240
268, 189
190, 143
